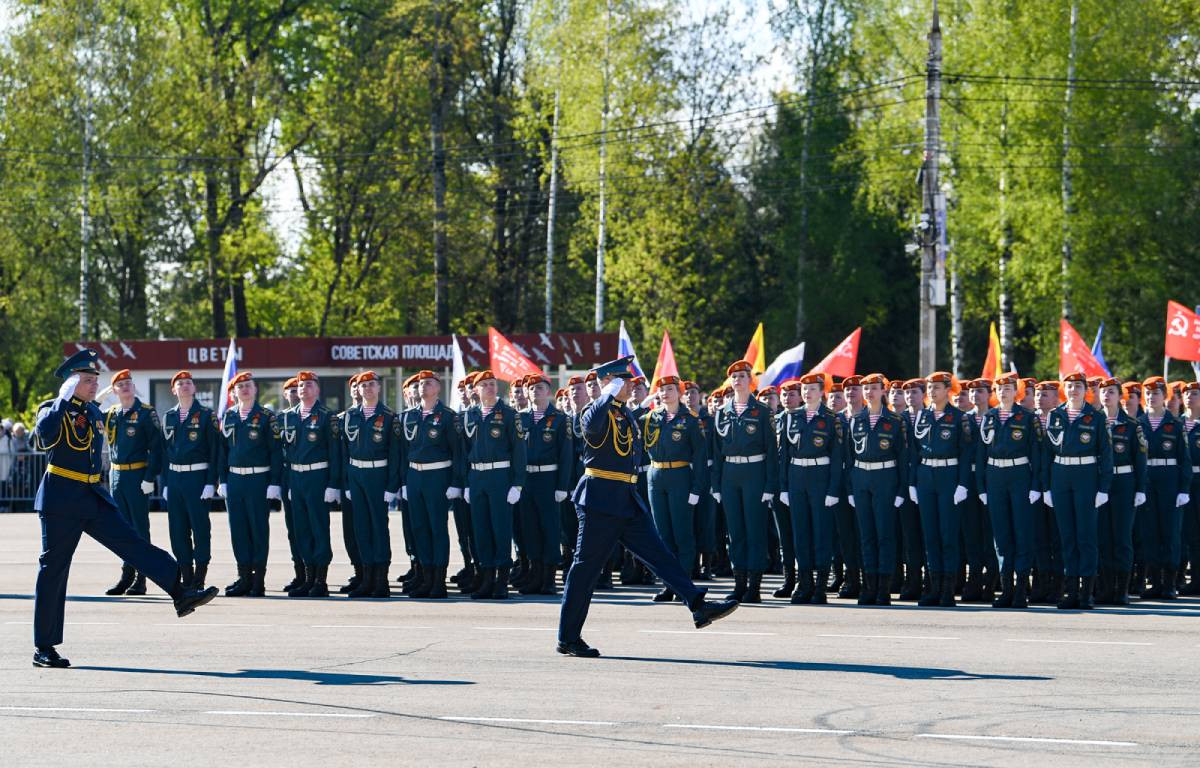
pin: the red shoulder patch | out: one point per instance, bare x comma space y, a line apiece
1087, 419
820, 423
1168, 427
754, 413
1019, 417
1120, 430
887, 426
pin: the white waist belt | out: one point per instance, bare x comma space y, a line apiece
483, 467
187, 467
746, 459
872, 465
377, 464
1074, 461
535, 468
940, 462
1017, 462
310, 467
430, 466
249, 470
1123, 469
1161, 462
820, 461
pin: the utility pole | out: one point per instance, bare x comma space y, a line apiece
1006, 307
1066, 169
550, 217
85, 171
933, 205
603, 162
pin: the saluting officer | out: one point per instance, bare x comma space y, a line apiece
745, 479
192, 443
251, 464
549, 455
811, 444
1080, 477
1009, 481
1128, 492
1169, 479
879, 441
433, 459
135, 450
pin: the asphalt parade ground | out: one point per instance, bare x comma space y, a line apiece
297, 682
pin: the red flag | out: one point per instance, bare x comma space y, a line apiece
842, 360
508, 364
666, 360
1074, 355
1183, 333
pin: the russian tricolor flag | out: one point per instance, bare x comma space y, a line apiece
788, 365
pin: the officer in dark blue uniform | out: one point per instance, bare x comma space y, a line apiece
135, 449
1168, 482
71, 501
610, 511
192, 443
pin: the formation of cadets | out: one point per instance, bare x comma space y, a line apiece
1013, 491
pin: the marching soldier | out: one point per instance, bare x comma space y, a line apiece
373, 434
1009, 479
880, 452
811, 440
432, 457
312, 446
135, 448
71, 501
745, 479
496, 451
251, 463
1128, 492
192, 443
1169, 479
550, 459
675, 446
290, 398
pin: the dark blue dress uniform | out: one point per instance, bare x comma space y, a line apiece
675, 445
192, 443
433, 460
373, 453
943, 454
745, 467
1192, 513
135, 451
1081, 457
811, 459
878, 476
549, 470
312, 450
71, 501
1168, 474
1115, 520
251, 460
706, 510
496, 452
1008, 468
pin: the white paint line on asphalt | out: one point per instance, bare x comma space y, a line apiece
254, 713
1027, 739
189, 624
73, 709
892, 637
523, 720
365, 626
1071, 642
765, 729
706, 632
518, 629
72, 623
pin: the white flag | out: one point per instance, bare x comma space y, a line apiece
458, 372
225, 397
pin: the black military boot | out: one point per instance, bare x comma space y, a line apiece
1153, 588
852, 587
1104, 587
240, 587
605, 581
1169, 591
1121, 589
665, 596
49, 658
382, 590
739, 586
883, 593
933, 595
500, 586
258, 578
532, 584
1070, 599
753, 587
468, 587
911, 590
200, 577
410, 574
1020, 597
186, 575
706, 566
947, 597
1040, 587
818, 595
297, 579
437, 584
629, 572
839, 578
366, 585
320, 583
487, 583
1005, 598
413, 584
123, 583
973, 588
465, 575
422, 586
789, 581
355, 580
805, 588
305, 582
1137, 584
869, 589
1087, 591
548, 586
138, 587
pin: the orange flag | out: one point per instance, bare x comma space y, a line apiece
991, 366
507, 362
842, 360
666, 360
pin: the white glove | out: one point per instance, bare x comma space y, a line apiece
1101, 498
205, 493
274, 492
983, 499
388, 497
960, 494
289, 494
614, 388
331, 495
561, 496
912, 494
1034, 496
223, 491
1182, 500
348, 494
850, 499
514, 495
899, 502
467, 495
831, 501
717, 495
767, 497
404, 492
693, 499
209, 487
786, 498
1139, 499
67, 390
147, 487
451, 493
1046, 497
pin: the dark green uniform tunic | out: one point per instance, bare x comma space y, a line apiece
251, 461
373, 454
135, 452
496, 451
312, 447
434, 461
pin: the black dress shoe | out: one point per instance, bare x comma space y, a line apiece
707, 612
48, 657
580, 649
191, 600
665, 596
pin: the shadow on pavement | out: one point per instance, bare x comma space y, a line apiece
299, 675
900, 673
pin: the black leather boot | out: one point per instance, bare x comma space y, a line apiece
413, 584
487, 582
241, 587
138, 587
186, 575
852, 587
200, 577
548, 586
305, 582
883, 593
320, 584
1169, 591
665, 596
706, 566
839, 578
805, 589
753, 587
532, 584
382, 590
1020, 597
298, 579
500, 587
818, 595
366, 586
437, 584
605, 581
1007, 587
123, 583
912, 584
973, 588
870, 585
355, 580
934, 595
1087, 589
1121, 589
947, 597
739, 586
258, 578
1070, 600
789, 582
1104, 587
423, 586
